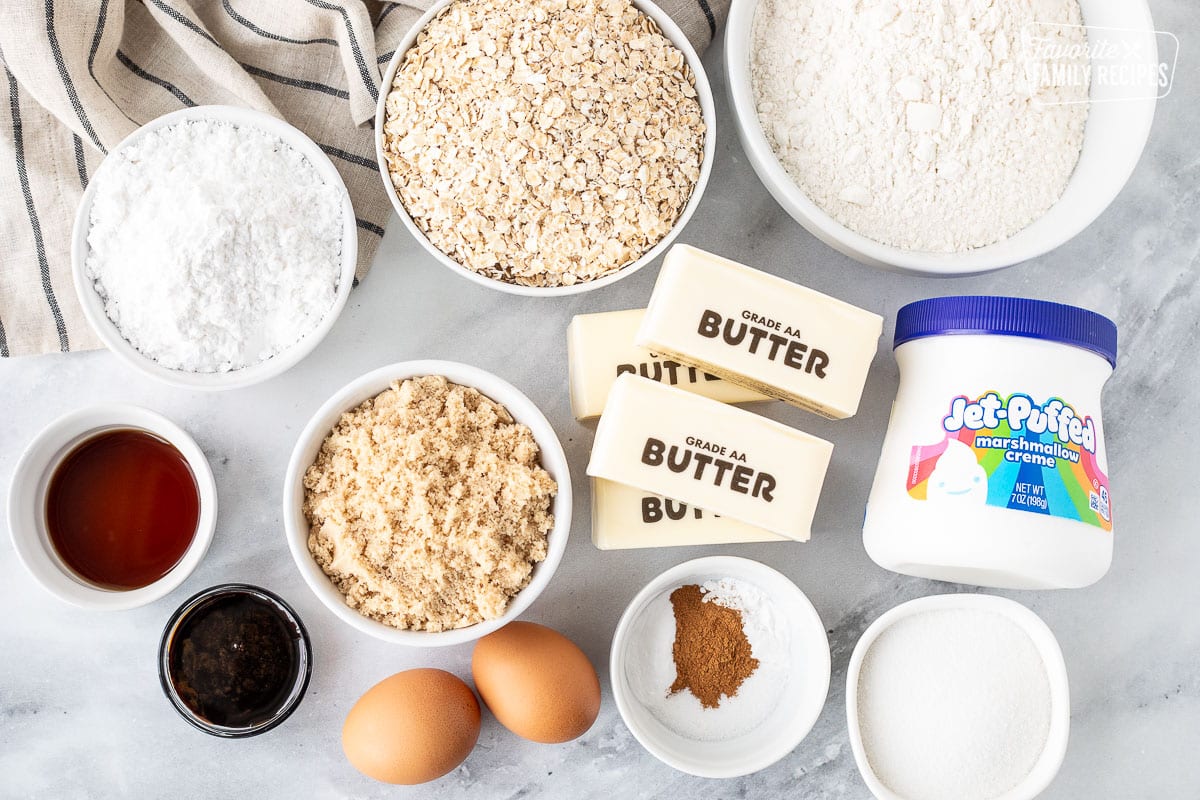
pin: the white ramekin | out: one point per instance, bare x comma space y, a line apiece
1047, 646
522, 409
794, 715
1117, 127
27, 505
708, 112
93, 306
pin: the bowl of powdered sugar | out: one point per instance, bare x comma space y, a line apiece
214, 248
938, 137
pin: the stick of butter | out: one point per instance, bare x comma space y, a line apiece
719, 458
600, 347
624, 518
761, 331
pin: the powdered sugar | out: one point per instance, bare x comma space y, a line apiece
925, 124
214, 246
651, 669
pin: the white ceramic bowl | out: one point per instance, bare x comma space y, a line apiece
707, 109
521, 408
27, 505
1117, 127
93, 306
801, 698
1043, 639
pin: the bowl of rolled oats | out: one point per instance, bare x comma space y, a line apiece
545, 147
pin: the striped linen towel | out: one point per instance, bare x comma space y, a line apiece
80, 75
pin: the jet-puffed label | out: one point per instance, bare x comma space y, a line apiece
1013, 452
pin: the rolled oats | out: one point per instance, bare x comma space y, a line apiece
543, 142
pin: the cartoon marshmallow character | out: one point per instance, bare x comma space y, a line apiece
957, 476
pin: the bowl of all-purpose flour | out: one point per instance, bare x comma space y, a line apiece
720, 666
943, 138
214, 247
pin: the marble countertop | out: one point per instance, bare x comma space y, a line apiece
81, 712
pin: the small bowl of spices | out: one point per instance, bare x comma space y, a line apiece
112, 507
235, 660
720, 666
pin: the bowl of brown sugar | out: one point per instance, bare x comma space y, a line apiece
720, 666
427, 503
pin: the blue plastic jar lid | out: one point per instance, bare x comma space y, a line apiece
1008, 316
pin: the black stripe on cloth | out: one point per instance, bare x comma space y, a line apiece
250, 26
708, 15
297, 82
369, 226
391, 7
101, 18
184, 21
368, 81
344, 156
157, 81
386, 57
3, 342
80, 163
14, 105
68, 84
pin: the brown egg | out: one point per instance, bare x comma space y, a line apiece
537, 682
412, 727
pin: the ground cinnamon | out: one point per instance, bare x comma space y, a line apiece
712, 655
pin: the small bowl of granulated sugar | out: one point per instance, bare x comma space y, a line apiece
958, 697
214, 248
720, 666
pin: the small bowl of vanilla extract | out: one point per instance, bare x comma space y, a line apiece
234, 660
112, 507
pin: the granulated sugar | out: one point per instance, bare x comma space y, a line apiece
214, 246
927, 124
953, 705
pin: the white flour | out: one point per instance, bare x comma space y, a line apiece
214, 247
953, 705
916, 123
651, 669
